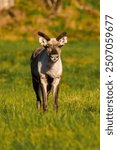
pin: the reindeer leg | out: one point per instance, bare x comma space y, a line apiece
55, 92
38, 103
44, 92
37, 91
56, 98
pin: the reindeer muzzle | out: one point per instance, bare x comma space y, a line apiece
54, 57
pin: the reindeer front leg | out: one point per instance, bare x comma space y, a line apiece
55, 85
44, 92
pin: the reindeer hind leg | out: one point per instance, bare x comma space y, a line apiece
37, 89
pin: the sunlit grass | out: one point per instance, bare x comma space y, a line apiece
75, 126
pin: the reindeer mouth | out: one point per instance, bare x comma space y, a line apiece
54, 58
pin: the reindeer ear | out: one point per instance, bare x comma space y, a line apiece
62, 38
43, 38
42, 41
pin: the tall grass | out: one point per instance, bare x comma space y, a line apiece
75, 126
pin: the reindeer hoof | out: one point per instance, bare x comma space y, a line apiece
56, 107
38, 105
45, 108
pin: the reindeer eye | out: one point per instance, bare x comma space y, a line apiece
60, 46
47, 46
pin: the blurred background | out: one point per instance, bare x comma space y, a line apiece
21, 19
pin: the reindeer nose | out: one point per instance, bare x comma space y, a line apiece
54, 58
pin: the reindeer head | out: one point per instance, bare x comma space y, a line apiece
53, 45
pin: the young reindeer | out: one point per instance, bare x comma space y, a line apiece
46, 68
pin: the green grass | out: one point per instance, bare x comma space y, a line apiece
75, 126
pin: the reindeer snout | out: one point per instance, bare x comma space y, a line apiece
54, 58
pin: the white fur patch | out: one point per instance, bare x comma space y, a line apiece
63, 40
42, 41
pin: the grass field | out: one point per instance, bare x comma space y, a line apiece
75, 126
